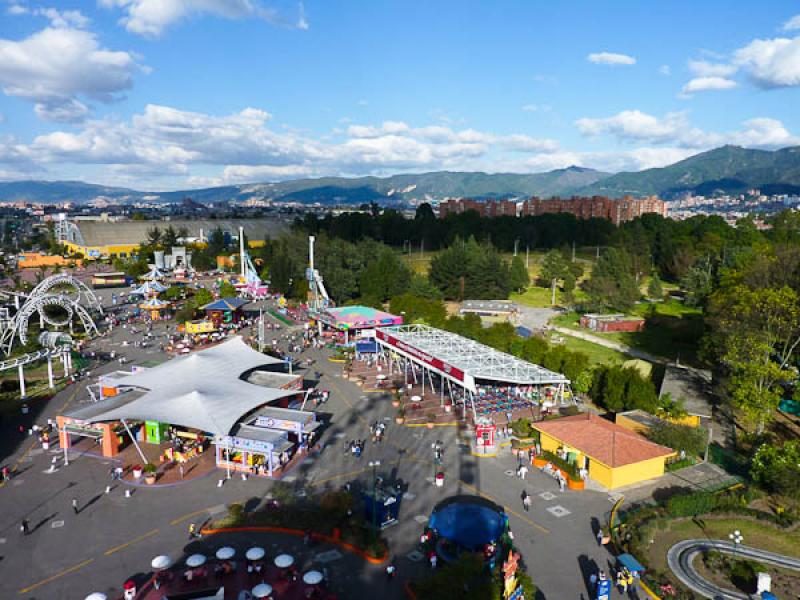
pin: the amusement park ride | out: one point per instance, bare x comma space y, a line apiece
59, 301
248, 283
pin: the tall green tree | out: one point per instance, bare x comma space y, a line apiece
553, 269
612, 285
655, 290
755, 334
384, 276
518, 276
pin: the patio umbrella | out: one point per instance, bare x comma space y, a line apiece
161, 562
262, 590
312, 577
284, 560
195, 560
96, 596
255, 553
225, 553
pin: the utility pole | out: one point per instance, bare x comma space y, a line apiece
422, 248
516, 243
527, 256
573, 250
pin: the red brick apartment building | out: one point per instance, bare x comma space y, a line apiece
615, 210
490, 208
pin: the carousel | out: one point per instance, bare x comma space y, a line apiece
155, 307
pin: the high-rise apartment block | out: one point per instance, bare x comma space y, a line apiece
616, 210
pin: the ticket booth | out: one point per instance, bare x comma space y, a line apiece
485, 431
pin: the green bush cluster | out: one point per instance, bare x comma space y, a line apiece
690, 505
568, 467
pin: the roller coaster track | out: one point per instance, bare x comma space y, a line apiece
13, 363
681, 556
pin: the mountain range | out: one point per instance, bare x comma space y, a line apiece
728, 169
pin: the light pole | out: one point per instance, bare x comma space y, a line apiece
737, 538
374, 464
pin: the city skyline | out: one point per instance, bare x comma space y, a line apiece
182, 93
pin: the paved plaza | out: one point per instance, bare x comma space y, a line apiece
114, 537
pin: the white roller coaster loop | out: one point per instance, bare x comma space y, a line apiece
50, 293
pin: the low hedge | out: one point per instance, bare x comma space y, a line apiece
571, 470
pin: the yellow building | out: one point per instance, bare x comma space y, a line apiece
34, 260
613, 455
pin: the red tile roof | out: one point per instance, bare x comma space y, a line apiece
602, 440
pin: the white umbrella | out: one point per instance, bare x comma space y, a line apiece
96, 596
262, 590
161, 562
283, 561
195, 560
255, 553
312, 577
225, 553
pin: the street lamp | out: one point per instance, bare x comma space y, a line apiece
374, 464
737, 538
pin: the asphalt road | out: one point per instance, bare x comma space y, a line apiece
113, 537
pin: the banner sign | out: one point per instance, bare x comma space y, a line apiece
281, 424
238, 443
426, 358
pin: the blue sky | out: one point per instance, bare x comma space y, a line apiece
169, 94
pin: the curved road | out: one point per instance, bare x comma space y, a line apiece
681, 556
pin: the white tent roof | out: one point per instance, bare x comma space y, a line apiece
201, 390
149, 287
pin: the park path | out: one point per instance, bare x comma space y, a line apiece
624, 348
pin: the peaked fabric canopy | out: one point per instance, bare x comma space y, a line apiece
201, 390
149, 287
226, 304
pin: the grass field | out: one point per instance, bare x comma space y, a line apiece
598, 355
672, 330
756, 534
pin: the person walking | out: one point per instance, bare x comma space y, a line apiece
526, 501
75, 505
180, 470
25, 527
391, 571
523, 470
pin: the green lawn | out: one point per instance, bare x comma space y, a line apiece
756, 534
598, 355
672, 330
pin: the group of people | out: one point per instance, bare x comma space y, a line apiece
378, 430
355, 447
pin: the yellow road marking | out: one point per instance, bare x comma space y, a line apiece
188, 516
506, 508
144, 536
56, 576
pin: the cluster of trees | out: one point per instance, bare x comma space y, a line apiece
469, 270
619, 388
777, 468
426, 231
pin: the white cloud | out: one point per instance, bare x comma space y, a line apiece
64, 19
704, 68
536, 107
702, 84
55, 66
665, 70
17, 9
635, 125
610, 58
675, 130
526, 143
792, 24
153, 17
771, 63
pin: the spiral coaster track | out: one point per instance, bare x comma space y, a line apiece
57, 291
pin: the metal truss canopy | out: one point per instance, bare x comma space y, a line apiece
475, 359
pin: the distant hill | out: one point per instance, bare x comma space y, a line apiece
328, 190
729, 169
